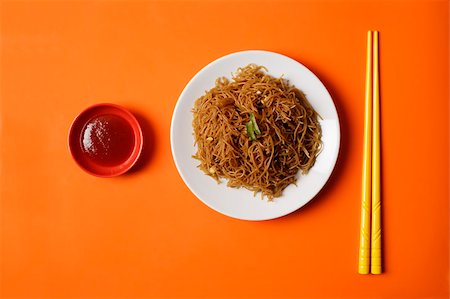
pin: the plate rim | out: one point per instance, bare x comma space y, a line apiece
217, 61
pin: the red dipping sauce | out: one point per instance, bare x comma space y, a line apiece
108, 140
105, 140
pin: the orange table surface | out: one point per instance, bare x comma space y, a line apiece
66, 234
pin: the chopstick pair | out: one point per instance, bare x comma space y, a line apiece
370, 235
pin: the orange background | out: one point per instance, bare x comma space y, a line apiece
66, 234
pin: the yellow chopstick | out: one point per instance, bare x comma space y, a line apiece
375, 257
370, 234
364, 243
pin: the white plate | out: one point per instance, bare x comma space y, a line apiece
240, 203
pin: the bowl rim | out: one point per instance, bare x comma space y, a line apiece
133, 157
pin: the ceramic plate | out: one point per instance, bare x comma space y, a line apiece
240, 203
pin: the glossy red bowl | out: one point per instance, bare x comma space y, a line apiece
105, 140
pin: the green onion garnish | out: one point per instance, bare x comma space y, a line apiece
255, 125
250, 130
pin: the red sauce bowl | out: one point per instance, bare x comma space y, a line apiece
105, 140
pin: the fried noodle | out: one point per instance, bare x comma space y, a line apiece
228, 148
